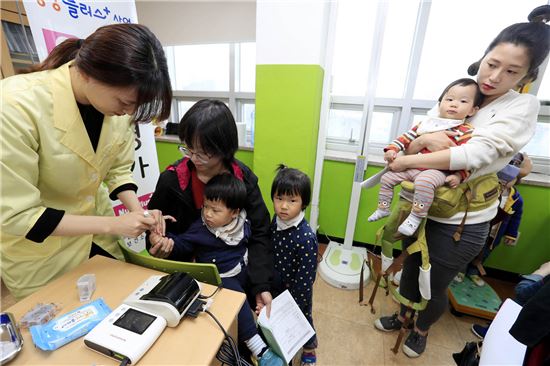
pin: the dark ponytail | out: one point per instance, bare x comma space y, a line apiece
534, 36
121, 55
60, 55
474, 68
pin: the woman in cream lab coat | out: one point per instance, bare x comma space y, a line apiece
66, 129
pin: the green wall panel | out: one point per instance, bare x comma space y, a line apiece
167, 153
334, 203
532, 248
288, 101
531, 251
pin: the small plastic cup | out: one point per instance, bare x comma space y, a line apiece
86, 287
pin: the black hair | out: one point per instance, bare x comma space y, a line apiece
211, 124
291, 182
121, 55
534, 36
227, 189
478, 98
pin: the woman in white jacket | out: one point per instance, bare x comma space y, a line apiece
504, 124
68, 127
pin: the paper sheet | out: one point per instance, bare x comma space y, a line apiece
498, 339
287, 329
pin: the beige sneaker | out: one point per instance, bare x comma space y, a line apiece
459, 277
477, 280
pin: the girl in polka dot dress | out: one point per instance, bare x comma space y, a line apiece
295, 245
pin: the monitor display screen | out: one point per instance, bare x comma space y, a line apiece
135, 321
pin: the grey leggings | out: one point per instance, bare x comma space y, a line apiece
447, 259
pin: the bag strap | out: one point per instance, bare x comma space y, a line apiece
458, 233
409, 315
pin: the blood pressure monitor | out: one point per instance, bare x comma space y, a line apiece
132, 328
126, 332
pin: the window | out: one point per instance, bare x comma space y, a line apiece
394, 60
381, 127
354, 25
538, 148
421, 49
544, 87
246, 114
454, 42
183, 107
20, 44
218, 71
345, 124
245, 67
352, 53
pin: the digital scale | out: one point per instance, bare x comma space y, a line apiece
133, 327
468, 298
341, 264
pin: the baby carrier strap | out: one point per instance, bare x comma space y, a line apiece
474, 195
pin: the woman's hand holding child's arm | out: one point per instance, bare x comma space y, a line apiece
161, 246
434, 141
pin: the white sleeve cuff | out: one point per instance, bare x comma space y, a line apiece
458, 159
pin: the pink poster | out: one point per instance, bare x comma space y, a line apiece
53, 38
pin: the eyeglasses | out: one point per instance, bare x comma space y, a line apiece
201, 157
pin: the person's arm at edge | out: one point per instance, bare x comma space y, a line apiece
437, 160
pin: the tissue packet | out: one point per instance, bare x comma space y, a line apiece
69, 326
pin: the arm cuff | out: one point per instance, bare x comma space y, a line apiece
122, 188
45, 225
392, 147
458, 159
532, 277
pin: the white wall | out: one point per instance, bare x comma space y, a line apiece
291, 31
181, 22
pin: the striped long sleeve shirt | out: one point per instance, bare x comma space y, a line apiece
402, 142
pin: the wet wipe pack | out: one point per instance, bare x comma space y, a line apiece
69, 326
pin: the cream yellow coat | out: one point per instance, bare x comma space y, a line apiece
47, 160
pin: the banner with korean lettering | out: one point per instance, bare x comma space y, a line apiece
53, 21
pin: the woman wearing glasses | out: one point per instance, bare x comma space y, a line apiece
209, 136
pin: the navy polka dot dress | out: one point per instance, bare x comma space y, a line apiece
295, 251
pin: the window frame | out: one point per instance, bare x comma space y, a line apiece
232, 98
406, 107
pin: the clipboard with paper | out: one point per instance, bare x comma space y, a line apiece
287, 329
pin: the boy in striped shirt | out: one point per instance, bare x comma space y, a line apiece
460, 99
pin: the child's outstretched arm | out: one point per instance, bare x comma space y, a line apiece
173, 247
401, 143
434, 141
161, 246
